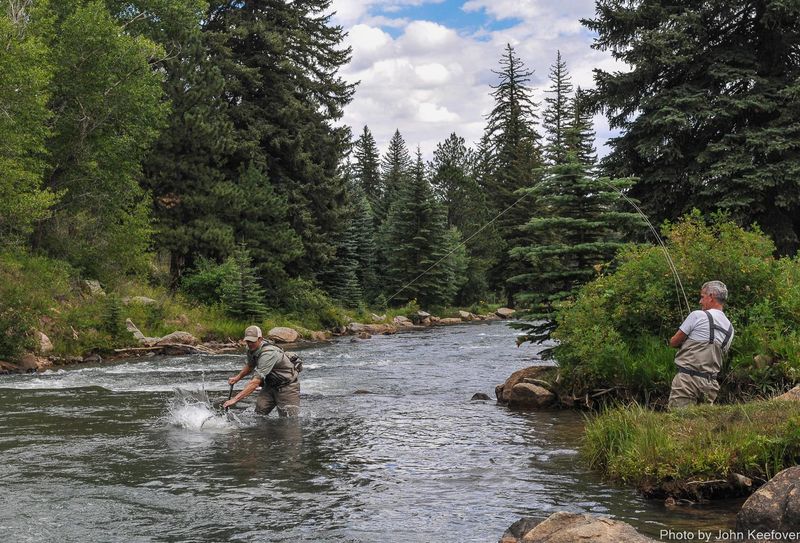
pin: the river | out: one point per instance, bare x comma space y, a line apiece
389, 447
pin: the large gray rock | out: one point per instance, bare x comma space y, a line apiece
466, 316
530, 395
178, 338
503, 392
43, 342
504, 313
139, 300
450, 320
402, 321
775, 506
565, 527
282, 334
92, 287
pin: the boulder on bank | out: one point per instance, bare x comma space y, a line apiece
775, 506
43, 342
449, 320
504, 313
92, 287
792, 395
283, 334
466, 316
178, 338
320, 335
503, 392
32, 363
563, 527
358, 328
402, 321
530, 395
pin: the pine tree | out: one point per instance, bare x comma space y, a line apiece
366, 169
578, 225
415, 237
365, 246
280, 62
708, 112
242, 295
515, 159
396, 171
579, 138
557, 114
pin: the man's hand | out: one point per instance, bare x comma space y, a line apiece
233, 380
227, 404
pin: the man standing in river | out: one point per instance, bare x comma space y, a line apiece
702, 340
274, 372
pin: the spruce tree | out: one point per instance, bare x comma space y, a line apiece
556, 117
366, 169
365, 246
280, 63
579, 223
708, 111
415, 237
396, 171
242, 295
516, 161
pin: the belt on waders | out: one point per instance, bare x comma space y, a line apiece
694, 373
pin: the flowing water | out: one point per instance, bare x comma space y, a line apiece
389, 447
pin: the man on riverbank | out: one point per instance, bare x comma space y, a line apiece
702, 340
274, 372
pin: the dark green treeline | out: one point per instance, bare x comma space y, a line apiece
202, 139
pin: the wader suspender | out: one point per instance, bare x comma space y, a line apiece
712, 326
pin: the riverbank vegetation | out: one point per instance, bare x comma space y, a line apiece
697, 452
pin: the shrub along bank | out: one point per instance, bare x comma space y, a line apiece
613, 336
697, 453
46, 295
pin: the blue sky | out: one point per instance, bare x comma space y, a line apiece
425, 66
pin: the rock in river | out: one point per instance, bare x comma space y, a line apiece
775, 506
563, 527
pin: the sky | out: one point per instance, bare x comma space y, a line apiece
425, 66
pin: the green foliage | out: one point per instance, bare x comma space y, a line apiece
708, 111
614, 334
643, 447
206, 281
305, 301
242, 295
109, 108
28, 287
113, 321
25, 77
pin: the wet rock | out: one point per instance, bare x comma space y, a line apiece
179, 337
364, 335
479, 396
792, 395
320, 335
563, 527
504, 313
775, 506
503, 392
283, 334
530, 395
402, 321
450, 321
357, 327
93, 358
8, 367
466, 316
43, 342
30, 363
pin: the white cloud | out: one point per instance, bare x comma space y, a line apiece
429, 80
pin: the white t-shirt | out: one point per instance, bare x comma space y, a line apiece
696, 326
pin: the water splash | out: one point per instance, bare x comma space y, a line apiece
192, 410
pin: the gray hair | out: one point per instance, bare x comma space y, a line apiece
717, 289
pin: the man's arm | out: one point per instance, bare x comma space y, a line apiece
241, 375
678, 339
246, 391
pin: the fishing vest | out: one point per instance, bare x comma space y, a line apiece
282, 373
701, 358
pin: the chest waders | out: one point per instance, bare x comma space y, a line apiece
283, 373
704, 359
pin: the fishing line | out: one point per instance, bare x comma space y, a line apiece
676, 276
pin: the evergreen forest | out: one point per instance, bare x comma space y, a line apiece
196, 147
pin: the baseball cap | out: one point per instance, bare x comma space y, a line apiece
252, 333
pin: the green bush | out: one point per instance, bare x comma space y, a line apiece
29, 289
206, 282
614, 334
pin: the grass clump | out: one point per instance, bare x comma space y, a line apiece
703, 443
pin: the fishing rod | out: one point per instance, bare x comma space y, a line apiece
676, 276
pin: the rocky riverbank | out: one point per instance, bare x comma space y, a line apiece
181, 342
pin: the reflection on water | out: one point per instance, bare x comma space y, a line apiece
115, 453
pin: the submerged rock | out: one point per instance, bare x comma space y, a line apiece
479, 396
503, 392
563, 527
775, 506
